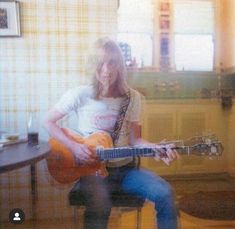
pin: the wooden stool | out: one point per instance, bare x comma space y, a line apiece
119, 199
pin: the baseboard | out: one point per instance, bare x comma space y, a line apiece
231, 171
198, 176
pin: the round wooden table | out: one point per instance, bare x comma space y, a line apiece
21, 154
18, 155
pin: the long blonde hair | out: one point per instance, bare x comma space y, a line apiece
106, 49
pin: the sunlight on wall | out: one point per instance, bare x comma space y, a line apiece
50, 55
35, 70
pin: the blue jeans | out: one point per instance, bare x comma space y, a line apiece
135, 181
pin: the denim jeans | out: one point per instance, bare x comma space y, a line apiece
135, 181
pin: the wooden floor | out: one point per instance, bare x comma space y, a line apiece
126, 218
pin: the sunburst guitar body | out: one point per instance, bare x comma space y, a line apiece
61, 162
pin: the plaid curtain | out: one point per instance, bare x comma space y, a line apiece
35, 70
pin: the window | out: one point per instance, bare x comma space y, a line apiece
193, 35
190, 33
135, 31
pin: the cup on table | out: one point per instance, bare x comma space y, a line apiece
33, 138
32, 130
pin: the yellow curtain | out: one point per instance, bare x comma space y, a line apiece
35, 70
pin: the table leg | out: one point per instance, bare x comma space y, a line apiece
34, 192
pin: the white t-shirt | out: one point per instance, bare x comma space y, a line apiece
99, 115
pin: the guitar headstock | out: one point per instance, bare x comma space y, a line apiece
203, 145
214, 148
207, 145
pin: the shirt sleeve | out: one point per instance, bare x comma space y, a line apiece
134, 114
68, 102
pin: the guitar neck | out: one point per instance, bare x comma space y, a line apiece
123, 152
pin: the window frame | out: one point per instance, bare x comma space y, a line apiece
156, 42
213, 39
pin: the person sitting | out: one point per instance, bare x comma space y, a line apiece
98, 107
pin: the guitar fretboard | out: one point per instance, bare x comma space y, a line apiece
106, 154
124, 152
202, 149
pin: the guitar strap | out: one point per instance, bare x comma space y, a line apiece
120, 118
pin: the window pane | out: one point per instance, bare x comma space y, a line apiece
135, 28
141, 47
135, 16
192, 16
194, 52
194, 31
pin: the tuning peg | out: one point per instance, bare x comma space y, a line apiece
214, 149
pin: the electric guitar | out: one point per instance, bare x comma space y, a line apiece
64, 169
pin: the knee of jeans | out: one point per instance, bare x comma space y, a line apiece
166, 192
96, 194
99, 206
101, 201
